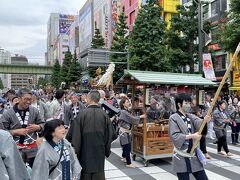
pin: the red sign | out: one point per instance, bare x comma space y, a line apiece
214, 47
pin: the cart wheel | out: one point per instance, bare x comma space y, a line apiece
134, 157
146, 162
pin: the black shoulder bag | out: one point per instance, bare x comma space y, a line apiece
61, 153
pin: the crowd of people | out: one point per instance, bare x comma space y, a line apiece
67, 135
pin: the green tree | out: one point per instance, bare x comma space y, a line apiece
56, 79
146, 46
97, 43
65, 67
181, 36
42, 82
1, 84
75, 69
231, 32
120, 43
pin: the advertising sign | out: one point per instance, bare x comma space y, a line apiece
208, 67
65, 22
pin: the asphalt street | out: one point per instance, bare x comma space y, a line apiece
217, 168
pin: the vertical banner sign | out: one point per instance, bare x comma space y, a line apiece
208, 67
106, 31
114, 15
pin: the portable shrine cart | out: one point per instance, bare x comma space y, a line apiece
151, 140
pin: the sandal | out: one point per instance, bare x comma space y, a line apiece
131, 166
207, 156
124, 160
222, 153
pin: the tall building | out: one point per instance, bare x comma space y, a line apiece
169, 10
215, 13
86, 26
5, 58
19, 80
57, 29
131, 10
103, 19
73, 38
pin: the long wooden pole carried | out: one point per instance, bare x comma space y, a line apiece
216, 95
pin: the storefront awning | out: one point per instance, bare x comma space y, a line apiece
149, 77
233, 88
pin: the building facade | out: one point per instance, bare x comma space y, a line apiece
102, 13
73, 38
19, 80
57, 28
86, 26
5, 58
215, 13
131, 10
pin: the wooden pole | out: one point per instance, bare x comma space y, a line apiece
144, 123
216, 95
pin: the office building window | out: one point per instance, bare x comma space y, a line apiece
215, 33
132, 17
223, 4
220, 62
205, 12
130, 3
214, 8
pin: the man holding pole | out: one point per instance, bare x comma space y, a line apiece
183, 128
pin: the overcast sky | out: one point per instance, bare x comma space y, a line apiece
23, 24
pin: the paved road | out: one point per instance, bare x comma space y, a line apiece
218, 168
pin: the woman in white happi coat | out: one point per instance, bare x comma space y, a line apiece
183, 128
56, 159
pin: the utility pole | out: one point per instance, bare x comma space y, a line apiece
200, 37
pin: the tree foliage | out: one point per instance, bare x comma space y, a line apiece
1, 84
146, 45
56, 78
42, 82
231, 31
97, 43
74, 72
181, 36
120, 43
65, 67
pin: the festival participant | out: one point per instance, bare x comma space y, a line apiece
57, 106
40, 105
10, 94
183, 128
221, 119
126, 121
24, 122
93, 134
234, 111
11, 163
73, 110
56, 159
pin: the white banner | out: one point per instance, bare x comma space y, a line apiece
208, 67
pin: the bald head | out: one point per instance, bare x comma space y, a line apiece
93, 96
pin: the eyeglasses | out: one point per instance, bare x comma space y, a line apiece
26, 99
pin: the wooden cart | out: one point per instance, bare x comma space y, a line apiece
151, 140
158, 143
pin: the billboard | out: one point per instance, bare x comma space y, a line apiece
65, 22
85, 27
